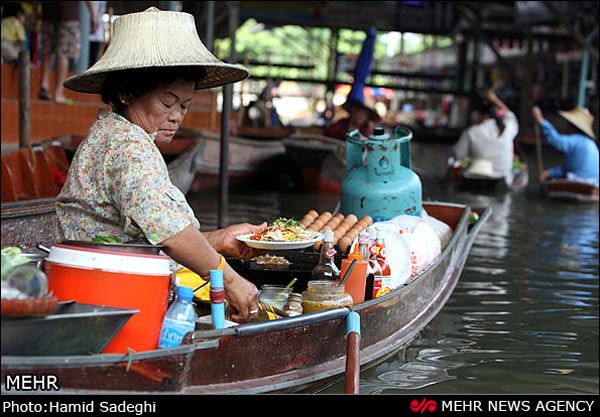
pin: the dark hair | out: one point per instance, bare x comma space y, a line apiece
137, 82
483, 106
11, 9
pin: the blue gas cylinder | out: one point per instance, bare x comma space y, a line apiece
386, 186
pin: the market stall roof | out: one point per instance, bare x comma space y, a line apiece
552, 20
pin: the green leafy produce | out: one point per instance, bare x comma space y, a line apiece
107, 239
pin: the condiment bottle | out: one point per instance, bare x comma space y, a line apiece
326, 269
364, 242
356, 282
383, 275
321, 295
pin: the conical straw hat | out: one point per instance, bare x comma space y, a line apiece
581, 118
156, 38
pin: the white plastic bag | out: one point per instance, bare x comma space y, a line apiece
412, 244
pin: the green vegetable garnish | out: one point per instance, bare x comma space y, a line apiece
107, 239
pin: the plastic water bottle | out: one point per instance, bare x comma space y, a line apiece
179, 319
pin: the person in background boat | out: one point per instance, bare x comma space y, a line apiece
118, 184
13, 32
360, 116
262, 112
491, 137
577, 143
61, 39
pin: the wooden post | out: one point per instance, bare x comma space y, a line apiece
352, 382
24, 101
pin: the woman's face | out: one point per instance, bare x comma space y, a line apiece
161, 110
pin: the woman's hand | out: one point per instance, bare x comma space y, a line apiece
544, 175
224, 240
242, 296
536, 112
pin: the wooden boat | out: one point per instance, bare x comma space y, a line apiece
317, 161
563, 189
38, 171
249, 159
483, 184
266, 133
291, 354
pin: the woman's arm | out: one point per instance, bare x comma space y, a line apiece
191, 249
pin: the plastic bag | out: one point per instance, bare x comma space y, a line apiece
412, 244
11, 258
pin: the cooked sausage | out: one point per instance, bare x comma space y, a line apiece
309, 218
320, 221
332, 224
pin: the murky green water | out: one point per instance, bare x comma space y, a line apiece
524, 316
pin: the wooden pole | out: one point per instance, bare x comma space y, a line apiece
352, 382
538, 146
24, 100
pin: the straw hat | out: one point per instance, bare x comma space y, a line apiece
481, 168
156, 38
581, 118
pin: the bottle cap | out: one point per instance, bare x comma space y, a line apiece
185, 293
355, 254
328, 235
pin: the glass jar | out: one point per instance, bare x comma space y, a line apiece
321, 295
274, 295
293, 307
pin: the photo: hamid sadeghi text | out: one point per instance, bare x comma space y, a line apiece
123, 406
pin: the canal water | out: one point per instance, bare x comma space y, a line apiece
523, 318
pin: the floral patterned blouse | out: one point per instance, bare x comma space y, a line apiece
118, 185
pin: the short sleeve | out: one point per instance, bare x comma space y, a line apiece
141, 189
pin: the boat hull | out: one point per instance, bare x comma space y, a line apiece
290, 354
560, 189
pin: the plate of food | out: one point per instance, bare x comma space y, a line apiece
282, 234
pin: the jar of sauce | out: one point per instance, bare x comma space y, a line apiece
321, 295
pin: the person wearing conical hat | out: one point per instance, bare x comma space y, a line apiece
578, 144
118, 184
360, 116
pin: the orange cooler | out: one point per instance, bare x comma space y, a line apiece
115, 279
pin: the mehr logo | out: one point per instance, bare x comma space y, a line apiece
423, 406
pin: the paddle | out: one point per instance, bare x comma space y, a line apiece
538, 145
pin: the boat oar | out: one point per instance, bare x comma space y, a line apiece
352, 383
538, 146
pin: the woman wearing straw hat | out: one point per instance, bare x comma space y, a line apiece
577, 144
118, 184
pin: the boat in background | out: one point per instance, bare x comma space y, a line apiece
290, 354
318, 162
249, 160
563, 189
482, 183
40, 170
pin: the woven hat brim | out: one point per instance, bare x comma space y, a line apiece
576, 117
216, 75
156, 39
373, 115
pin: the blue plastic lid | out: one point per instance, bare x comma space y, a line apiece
185, 293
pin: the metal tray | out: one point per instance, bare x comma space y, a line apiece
73, 329
301, 265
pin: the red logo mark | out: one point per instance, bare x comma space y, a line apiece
423, 405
